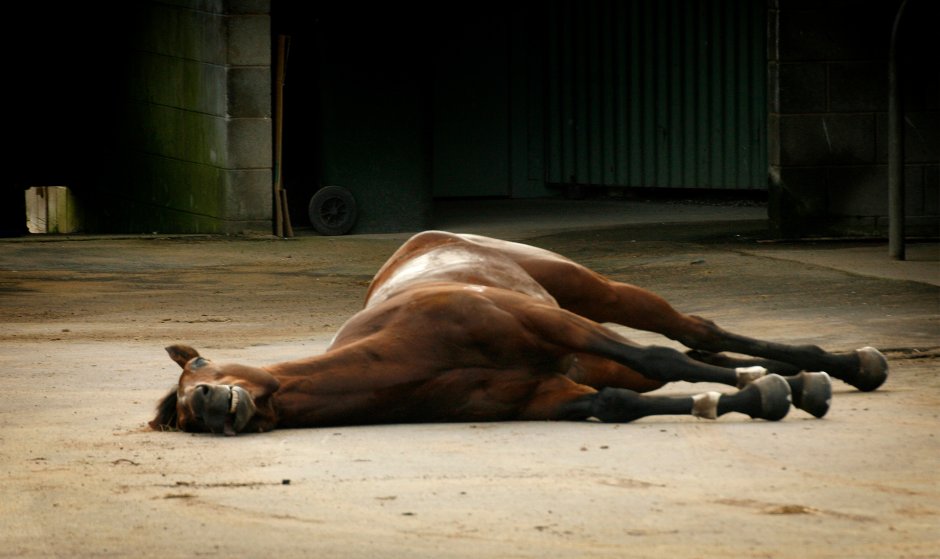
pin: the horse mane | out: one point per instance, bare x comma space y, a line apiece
166, 419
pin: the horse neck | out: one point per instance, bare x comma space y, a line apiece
309, 388
318, 370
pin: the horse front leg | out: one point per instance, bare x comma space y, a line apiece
811, 391
767, 398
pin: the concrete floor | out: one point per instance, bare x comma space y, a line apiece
85, 321
530, 218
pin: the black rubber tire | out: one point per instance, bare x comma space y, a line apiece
333, 211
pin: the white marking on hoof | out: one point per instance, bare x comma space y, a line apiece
705, 405
747, 375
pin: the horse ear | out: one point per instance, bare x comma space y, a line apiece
181, 354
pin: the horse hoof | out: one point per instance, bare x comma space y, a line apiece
775, 397
872, 369
815, 395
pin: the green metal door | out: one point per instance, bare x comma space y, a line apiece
652, 93
470, 107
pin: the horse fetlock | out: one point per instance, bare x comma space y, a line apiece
705, 405
747, 375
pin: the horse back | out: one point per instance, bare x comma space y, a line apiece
437, 256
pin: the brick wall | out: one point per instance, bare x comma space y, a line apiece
197, 155
827, 129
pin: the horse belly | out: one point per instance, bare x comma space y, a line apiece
467, 395
443, 353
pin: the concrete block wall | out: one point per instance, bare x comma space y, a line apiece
197, 157
827, 129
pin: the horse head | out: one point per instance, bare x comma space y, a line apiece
216, 398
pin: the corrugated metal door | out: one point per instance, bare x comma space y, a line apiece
656, 93
470, 107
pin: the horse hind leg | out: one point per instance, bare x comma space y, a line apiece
659, 364
767, 398
591, 295
734, 362
604, 300
579, 335
866, 369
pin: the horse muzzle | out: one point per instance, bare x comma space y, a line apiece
222, 408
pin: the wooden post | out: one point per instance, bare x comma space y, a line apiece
896, 248
282, 224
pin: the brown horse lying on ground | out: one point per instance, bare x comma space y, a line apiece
468, 328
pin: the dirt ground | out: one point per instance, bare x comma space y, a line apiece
81, 348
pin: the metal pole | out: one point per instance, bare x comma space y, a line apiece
895, 150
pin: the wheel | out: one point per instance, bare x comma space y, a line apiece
333, 211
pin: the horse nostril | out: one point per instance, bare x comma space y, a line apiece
204, 388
